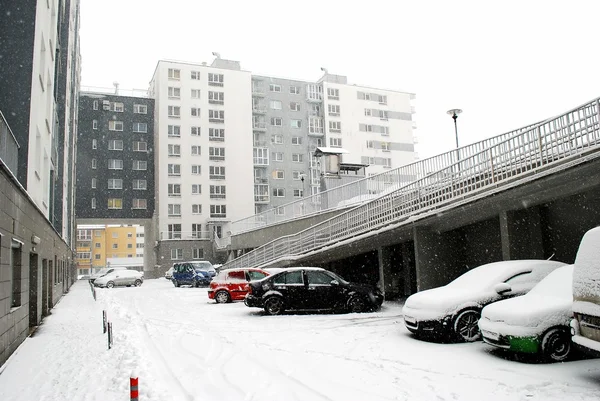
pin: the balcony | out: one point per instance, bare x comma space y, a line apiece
259, 109
258, 91
184, 235
9, 147
261, 180
314, 97
261, 198
259, 126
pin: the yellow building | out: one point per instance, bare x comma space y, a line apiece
96, 245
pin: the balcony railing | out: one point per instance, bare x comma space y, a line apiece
9, 147
184, 235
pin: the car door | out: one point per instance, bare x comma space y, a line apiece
520, 284
237, 284
321, 294
188, 273
292, 288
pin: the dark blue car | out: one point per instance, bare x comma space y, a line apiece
194, 273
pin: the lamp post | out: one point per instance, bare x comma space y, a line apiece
454, 113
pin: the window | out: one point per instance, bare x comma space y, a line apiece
278, 192
261, 156
294, 90
368, 112
278, 156
335, 142
275, 104
216, 116
218, 211
94, 144
139, 146
294, 106
174, 169
274, 88
277, 139
315, 125
333, 94
174, 189
174, 111
140, 184
217, 192
140, 127
296, 140
297, 157
196, 209
139, 204
115, 144
370, 145
115, 125
174, 74
216, 134
382, 99
115, 203
215, 79
195, 93
174, 150
95, 105
195, 75
195, 131
118, 107
93, 183
94, 163
279, 211
115, 183
335, 126
196, 150
276, 121
174, 231
334, 109
140, 109
385, 146
176, 254
216, 97
115, 164
298, 193
278, 174
196, 168
95, 124
296, 123
195, 112
196, 189
93, 203
174, 209
216, 172
197, 253
216, 153
140, 165
174, 131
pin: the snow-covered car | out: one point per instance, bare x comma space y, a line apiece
455, 309
537, 322
169, 273
104, 271
120, 278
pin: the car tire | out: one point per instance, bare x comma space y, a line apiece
222, 297
274, 305
137, 283
356, 304
556, 344
175, 283
110, 284
466, 325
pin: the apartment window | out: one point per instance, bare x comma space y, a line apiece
139, 204
195, 93
139, 146
275, 104
115, 183
370, 145
196, 189
296, 140
363, 96
174, 190
334, 109
294, 106
217, 192
216, 97
261, 156
216, 116
196, 209
141, 165
387, 162
197, 230
140, 127
335, 142
140, 184
298, 193
279, 211
315, 125
174, 131
118, 107
276, 121
335, 126
115, 125
216, 134
174, 231
297, 157
94, 183
274, 88
174, 73
195, 75
218, 211
94, 144
195, 150
277, 139
115, 203
140, 109
215, 79
196, 168
382, 99
294, 90
279, 192
174, 170
115, 164
195, 112
174, 111
216, 153
216, 172
115, 144
94, 164
177, 254
296, 123
95, 105
95, 124
174, 150
368, 112
385, 146
174, 209
296, 175
278, 156
195, 131
115, 235
278, 174
197, 253
333, 94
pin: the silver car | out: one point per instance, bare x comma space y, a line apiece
120, 278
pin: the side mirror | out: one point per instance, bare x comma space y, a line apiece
334, 282
502, 288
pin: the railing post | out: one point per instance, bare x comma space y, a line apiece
540, 145
491, 159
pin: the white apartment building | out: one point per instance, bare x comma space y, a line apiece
203, 140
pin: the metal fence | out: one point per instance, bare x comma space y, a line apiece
523, 156
9, 147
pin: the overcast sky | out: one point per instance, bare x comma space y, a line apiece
506, 64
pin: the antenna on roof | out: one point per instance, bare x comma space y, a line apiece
116, 85
324, 70
217, 55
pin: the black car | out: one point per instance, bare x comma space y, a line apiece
311, 288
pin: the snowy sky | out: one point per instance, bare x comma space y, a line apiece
506, 64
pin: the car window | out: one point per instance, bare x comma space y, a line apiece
520, 278
294, 277
237, 276
254, 275
316, 277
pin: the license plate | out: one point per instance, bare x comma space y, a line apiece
410, 319
491, 335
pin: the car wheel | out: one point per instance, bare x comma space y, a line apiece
356, 304
222, 297
137, 283
175, 283
110, 284
466, 325
556, 345
274, 305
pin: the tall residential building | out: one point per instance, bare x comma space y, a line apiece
203, 139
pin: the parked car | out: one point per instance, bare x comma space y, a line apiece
585, 327
194, 273
232, 284
120, 278
104, 271
311, 288
455, 309
169, 273
535, 323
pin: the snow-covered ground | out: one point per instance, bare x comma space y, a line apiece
184, 347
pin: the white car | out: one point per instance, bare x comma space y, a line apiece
120, 278
455, 308
537, 322
169, 273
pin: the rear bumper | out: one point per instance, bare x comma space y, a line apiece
211, 294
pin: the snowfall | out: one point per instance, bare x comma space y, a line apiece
182, 346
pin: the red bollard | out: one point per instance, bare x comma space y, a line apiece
133, 386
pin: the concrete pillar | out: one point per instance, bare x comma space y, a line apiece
408, 269
385, 269
149, 252
521, 234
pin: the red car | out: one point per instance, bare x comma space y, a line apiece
232, 284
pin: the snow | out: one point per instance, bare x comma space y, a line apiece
586, 278
184, 347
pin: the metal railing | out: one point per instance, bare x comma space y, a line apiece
524, 156
184, 235
9, 147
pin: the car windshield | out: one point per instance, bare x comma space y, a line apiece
203, 266
556, 284
480, 277
338, 277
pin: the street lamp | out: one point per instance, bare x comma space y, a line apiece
454, 113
